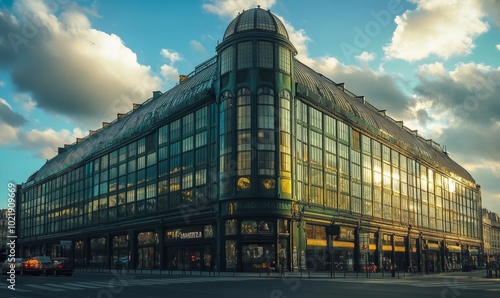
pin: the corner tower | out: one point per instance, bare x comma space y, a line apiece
255, 89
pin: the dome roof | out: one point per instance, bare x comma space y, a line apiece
256, 19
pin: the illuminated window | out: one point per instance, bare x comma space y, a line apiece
284, 60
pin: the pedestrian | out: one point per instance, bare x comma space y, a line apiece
118, 266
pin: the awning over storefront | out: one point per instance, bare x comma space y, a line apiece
431, 246
453, 248
335, 243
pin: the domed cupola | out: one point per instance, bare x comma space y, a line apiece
256, 21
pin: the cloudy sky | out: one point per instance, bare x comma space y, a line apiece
67, 66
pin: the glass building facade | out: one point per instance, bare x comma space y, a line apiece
242, 165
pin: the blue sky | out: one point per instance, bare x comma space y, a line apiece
66, 66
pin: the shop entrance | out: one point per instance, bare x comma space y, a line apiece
190, 257
257, 256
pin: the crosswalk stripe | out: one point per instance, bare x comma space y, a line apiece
66, 287
44, 288
4, 285
79, 284
98, 283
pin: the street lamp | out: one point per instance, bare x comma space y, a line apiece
297, 213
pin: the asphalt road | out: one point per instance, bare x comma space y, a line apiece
105, 285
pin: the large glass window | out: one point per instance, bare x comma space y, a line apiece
227, 165
243, 127
265, 125
285, 131
285, 60
244, 55
265, 54
227, 60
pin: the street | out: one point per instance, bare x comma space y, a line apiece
100, 285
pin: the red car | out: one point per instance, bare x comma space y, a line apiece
32, 266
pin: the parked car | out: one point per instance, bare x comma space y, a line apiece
32, 266
6, 266
59, 266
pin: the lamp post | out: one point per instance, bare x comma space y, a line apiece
297, 216
408, 248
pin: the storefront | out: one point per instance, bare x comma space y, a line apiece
120, 251
387, 255
474, 257
399, 252
190, 248
98, 252
79, 253
254, 244
432, 258
317, 256
453, 257
148, 254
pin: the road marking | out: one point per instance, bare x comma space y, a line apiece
82, 284
65, 286
44, 288
4, 285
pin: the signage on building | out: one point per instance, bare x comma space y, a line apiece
65, 243
253, 206
185, 233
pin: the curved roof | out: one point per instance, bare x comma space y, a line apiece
357, 109
196, 87
256, 19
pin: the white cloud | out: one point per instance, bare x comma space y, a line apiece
231, 8
365, 57
8, 134
498, 47
4, 102
171, 55
45, 142
197, 46
463, 97
441, 28
432, 71
26, 102
170, 73
88, 75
